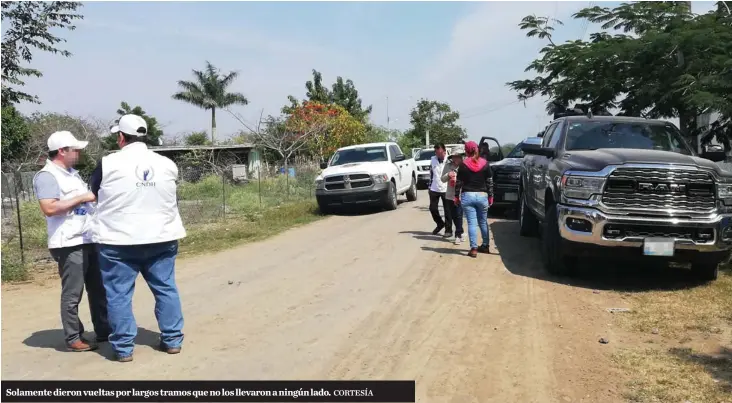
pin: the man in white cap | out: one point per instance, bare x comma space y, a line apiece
138, 228
65, 200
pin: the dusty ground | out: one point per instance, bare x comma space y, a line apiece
355, 297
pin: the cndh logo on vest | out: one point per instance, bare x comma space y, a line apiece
145, 174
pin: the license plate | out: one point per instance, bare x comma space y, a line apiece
658, 247
510, 197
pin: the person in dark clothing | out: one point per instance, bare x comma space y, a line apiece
474, 185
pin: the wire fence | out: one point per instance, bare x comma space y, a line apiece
205, 197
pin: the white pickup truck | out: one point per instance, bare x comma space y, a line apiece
366, 174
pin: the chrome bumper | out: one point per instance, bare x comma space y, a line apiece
598, 220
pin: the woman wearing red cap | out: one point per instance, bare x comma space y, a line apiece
474, 187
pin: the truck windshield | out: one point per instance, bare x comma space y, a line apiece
361, 154
517, 152
425, 155
634, 135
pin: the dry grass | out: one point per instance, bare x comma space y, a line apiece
677, 375
704, 308
692, 357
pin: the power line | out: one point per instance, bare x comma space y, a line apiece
491, 110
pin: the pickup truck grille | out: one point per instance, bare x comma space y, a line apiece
504, 178
660, 189
351, 181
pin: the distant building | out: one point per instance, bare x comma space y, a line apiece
236, 155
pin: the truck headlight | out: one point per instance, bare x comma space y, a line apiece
319, 184
724, 190
380, 178
581, 187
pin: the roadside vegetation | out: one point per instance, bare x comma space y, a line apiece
216, 214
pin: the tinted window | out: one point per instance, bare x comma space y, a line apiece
556, 135
365, 154
426, 155
517, 152
634, 135
548, 135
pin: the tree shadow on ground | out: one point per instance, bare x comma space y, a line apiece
54, 339
719, 365
522, 257
357, 211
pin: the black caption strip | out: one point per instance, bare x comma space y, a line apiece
208, 391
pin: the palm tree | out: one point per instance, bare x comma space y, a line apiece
208, 91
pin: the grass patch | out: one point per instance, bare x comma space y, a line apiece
217, 215
704, 308
673, 372
677, 375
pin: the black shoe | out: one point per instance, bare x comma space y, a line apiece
447, 235
438, 229
484, 249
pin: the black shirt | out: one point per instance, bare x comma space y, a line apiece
470, 181
95, 182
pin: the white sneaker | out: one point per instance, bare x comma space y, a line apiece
458, 240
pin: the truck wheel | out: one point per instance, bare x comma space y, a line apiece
391, 198
555, 261
705, 270
528, 224
412, 192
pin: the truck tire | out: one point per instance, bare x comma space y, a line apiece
412, 192
528, 224
555, 261
391, 198
705, 270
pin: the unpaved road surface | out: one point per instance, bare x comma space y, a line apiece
373, 296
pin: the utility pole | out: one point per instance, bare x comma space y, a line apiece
387, 112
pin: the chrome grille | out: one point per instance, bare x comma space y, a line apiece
622, 190
504, 178
351, 181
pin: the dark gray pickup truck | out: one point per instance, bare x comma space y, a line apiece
611, 185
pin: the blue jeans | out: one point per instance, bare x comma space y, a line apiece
475, 207
120, 266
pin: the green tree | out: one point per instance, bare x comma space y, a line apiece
154, 132
343, 94
209, 91
197, 139
15, 135
439, 119
666, 63
28, 25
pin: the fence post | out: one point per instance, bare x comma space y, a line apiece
223, 194
20, 222
259, 180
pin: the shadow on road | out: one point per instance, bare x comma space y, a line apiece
425, 236
355, 211
54, 339
522, 257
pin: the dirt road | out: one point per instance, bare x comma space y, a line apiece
353, 297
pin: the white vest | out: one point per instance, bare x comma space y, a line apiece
72, 228
436, 167
137, 201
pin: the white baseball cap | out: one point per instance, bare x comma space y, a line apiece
64, 139
132, 125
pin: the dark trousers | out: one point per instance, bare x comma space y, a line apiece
456, 212
78, 266
434, 201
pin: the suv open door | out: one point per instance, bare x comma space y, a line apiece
495, 153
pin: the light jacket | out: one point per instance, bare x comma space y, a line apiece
449, 167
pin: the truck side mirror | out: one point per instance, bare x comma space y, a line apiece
323, 165
714, 156
398, 158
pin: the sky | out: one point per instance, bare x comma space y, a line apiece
461, 53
